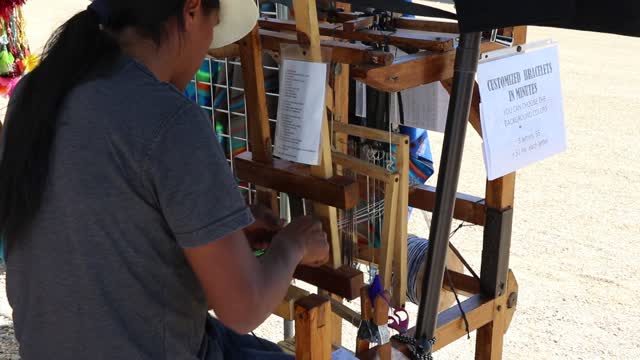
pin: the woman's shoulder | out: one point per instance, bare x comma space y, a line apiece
131, 97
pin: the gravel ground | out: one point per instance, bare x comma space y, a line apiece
575, 241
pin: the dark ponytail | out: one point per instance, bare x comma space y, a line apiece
71, 52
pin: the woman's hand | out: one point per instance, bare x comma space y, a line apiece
262, 231
306, 234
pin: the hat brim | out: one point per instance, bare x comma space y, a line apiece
237, 19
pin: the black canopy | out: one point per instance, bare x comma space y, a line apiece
614, 16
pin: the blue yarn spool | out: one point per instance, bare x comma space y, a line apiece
416, 256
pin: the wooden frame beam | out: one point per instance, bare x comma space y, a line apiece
342, 52
399, 256
467, 208
479, 311
401, 38
369, 133
307, 32
413, 70
293, 178
465, 285
362, 167
259, 130
426, 25
344, 281
408, 71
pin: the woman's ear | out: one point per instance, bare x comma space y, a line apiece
190, 12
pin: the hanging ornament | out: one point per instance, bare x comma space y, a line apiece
15, 57
6, 62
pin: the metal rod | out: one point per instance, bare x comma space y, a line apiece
288, 329
465, 69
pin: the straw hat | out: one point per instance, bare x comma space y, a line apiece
237, 19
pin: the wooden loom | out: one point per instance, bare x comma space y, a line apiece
491, 298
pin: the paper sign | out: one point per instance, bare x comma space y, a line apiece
300, 111
426, 106
522, 111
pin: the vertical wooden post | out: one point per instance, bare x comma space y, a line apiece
495, 264
309, 38
341, 103
340, 113
400, 249
380, 318
257, 114
366, 314
313, 328
495, 258
389, 230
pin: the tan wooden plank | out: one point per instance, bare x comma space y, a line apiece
399, 297
296, 179
344, 281
306, 26
465, 285
467, 207
351, 316
369, 133
380, 318
341, 108
388, 230
362, 167
450, 327
519, 35
313, 328
257, 114
366, 310
358, 24
402, 38
408, 71
340, 113
427, 25
342, 52
500, 192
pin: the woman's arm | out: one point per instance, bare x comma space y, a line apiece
244, 290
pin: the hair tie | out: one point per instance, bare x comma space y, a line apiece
101, 9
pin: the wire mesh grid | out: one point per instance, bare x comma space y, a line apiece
218, 89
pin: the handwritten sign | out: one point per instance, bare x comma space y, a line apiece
300, 111
521, 111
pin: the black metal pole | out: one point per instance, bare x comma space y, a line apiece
466, 65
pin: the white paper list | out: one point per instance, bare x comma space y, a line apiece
300, 111
522, 110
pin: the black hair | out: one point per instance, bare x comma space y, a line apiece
74, 50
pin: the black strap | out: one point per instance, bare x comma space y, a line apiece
401, 6
398, 6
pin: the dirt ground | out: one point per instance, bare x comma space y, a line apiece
575, 242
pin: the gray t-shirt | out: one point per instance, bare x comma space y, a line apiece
136, 174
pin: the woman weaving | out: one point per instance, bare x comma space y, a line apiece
122, 220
